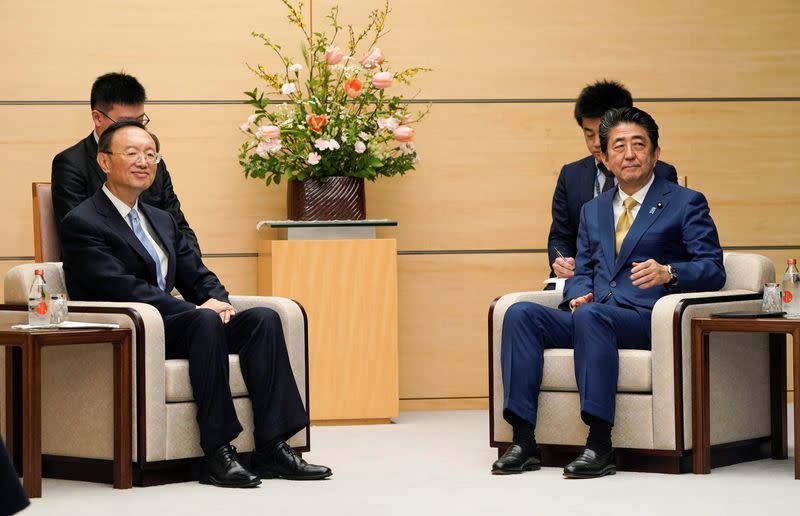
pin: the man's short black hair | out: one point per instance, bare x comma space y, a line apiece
104, 142
595, 99
116, 88
631, 115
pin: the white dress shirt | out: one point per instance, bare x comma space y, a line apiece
620, 196
124, 210
600, 179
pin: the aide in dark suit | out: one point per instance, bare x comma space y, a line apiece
75, 174
636, 243
116, 248
583, 180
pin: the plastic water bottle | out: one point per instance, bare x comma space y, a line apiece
791, 289
38, 309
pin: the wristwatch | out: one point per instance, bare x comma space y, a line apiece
673, 275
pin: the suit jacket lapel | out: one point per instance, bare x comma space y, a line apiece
168, 245
587, 180
606, 225
649, 212
116, 223
91, 152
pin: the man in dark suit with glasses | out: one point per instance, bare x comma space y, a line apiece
77, 176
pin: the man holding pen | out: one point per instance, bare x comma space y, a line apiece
585, 179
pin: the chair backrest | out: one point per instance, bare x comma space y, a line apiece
46, 241
683, 181
18, 281
747, 271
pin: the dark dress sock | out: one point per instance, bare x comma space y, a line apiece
599, 438
524, 434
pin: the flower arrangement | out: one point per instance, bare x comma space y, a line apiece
337, 116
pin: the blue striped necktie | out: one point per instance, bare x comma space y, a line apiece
139, 232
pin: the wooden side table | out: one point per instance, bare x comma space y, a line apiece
777, 328
31, 343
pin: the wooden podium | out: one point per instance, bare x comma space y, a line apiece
346, 280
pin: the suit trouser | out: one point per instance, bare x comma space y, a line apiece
595, 331
256, 336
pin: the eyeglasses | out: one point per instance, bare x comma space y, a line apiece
144, 119
150, 157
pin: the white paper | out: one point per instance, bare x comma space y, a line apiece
66, 325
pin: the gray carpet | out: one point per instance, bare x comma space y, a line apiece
438, 463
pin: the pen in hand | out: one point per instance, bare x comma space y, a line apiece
565, 265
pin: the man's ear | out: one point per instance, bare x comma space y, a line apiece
657, 152
103, 160
604, 159
96, 118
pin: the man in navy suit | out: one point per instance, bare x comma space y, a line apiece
76, 175
116, 248
585, 179
637, 242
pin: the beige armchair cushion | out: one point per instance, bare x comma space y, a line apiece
179, 388
635, 371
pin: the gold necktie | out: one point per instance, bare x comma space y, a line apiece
625, 221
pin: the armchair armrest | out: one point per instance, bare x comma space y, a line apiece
147, 339
294, 323
672, 355
497, 311
295, 332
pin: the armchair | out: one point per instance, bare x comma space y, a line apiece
77, 435
653, 427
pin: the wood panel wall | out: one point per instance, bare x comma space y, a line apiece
721, 78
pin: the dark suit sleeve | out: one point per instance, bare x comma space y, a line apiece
68, 185
193, 279
172, 205
91, 265
583, 281
560, 234
704, 270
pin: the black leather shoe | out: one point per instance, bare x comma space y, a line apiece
590, 465
224, 470
283, 462
515, 460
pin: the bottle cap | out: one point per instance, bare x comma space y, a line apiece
39, 272
791, 261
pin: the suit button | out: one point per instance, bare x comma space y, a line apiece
613, 284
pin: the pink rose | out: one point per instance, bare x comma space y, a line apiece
360, 147
313, 158
403, 133
334, 55
406, 119
269, 132
382, 80
352, 88
373, 58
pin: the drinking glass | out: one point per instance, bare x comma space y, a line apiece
58, 308
772, 298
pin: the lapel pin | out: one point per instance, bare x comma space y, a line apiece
659, 204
